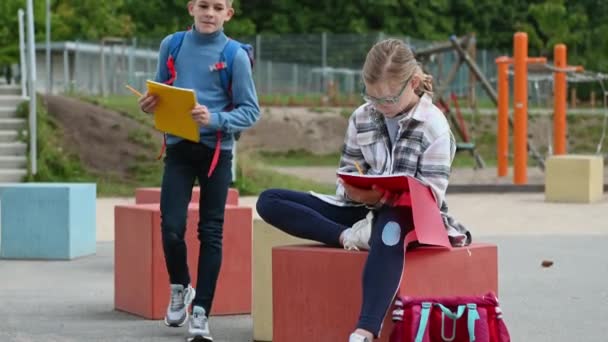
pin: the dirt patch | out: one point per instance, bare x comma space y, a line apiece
106, 142
109, 143
280, 129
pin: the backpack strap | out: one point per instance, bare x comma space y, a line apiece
174, 45
227, 56
225, 68
424, 321
473, 315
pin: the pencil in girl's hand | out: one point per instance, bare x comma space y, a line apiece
133, 90
358, 168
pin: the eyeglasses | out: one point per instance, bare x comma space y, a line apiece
388, 100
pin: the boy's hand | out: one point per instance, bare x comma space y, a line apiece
201, 115
147, 103
369, 197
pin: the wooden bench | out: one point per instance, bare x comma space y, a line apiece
317, 290
141, 282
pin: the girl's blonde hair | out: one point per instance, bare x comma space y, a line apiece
393, 60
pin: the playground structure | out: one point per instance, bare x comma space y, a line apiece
464, 48
520, 61
561, 73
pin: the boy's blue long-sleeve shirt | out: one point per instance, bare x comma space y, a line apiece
197, 53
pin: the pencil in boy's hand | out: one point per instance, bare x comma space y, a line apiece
133, 90
358, 168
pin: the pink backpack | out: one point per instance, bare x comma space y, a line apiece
449, 319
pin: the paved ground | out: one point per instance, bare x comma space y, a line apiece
42, 301
484, 214
73, 300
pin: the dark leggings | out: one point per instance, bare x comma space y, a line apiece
305, 216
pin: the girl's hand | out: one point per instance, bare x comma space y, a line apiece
201, 115
147, 103
369, 197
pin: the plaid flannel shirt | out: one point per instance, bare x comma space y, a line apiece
424, 149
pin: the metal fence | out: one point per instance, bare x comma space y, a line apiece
285, 64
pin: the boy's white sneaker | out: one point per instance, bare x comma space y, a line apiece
198, 328
177, 311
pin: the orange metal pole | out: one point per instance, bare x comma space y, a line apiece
502, 135
537, 60
559, 100
520, 131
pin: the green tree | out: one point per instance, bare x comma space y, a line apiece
153, 20
89, 20
552, 23
9, 31
582, 25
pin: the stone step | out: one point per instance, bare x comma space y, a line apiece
12, 175
8, 112
13, 162
12, 124
8, 136
10, 100
13, 149
10, 90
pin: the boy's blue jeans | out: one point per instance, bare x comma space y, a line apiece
303, 215
184, 162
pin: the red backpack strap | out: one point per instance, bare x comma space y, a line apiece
174, 45
163, 147
224, 66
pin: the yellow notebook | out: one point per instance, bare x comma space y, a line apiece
173, 110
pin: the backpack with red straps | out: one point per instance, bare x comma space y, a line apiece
224, 66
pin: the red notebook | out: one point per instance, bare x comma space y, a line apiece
429, 228
396, 183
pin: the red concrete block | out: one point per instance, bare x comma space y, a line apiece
317, 290
152, 195
141, 282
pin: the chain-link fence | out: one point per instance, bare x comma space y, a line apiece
285, 64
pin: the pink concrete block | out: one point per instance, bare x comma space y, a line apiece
152, 195
141, 282
317, 289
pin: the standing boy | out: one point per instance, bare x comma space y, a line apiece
219, 70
